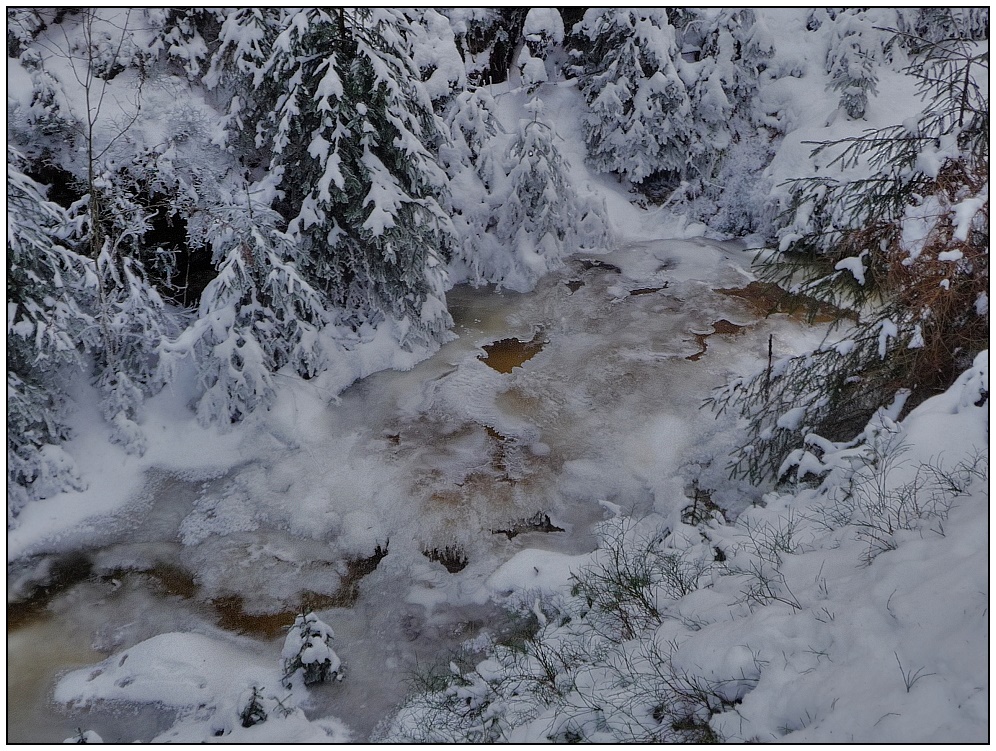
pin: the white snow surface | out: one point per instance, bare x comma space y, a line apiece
208, 681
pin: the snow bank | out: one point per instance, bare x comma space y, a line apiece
208, 682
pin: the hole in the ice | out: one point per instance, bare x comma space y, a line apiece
722, 326
506, 354
453, 558
587, 264
646, 290
574, 285
538, 522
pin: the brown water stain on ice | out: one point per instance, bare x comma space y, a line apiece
65, 573
646, 291
722, 326
768, 298
506, 354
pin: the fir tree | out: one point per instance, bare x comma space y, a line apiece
856, 48
433, 49
541, 216
348, 136
255, 317
729, 149
475, 174
307, 654
486, 39
50, 327
638, 125
906, 249
244, 42
543, 35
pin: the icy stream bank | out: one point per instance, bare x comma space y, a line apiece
602, 418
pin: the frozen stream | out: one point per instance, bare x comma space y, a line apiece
450, 468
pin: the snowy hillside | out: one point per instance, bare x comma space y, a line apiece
520, 375
853, 611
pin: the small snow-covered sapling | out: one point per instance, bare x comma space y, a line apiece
308, 651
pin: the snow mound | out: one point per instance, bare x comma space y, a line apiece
209, 682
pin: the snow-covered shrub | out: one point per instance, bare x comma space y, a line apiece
876, 505
307, 655
757, 642
600, 668
635, 572
901, 236
85, 736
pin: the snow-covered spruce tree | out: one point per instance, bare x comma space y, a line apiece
307, 655
901, 238
639, 121
473, 160
543, 36
731, 149
50, 326
244, 42
858, 45
347, 126
89, 75
486, 38
255, 317
937, 23
540, 216
185, 35
433, 49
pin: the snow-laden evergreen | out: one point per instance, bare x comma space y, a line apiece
255, 317
307, 655
516, 210
347, 125
541, 216
50, 325
639, 122
857, 45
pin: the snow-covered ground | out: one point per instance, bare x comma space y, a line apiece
856, 611
604, 422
